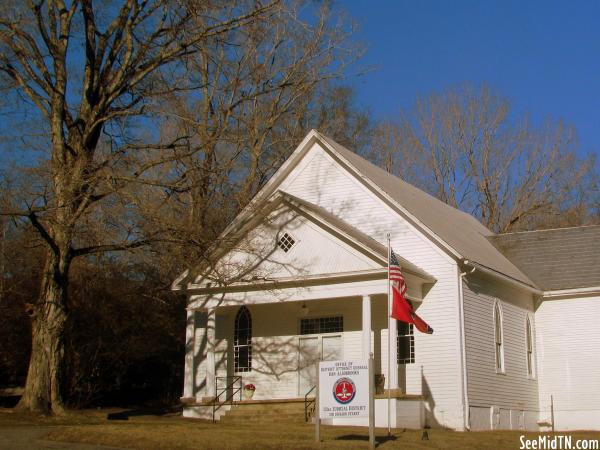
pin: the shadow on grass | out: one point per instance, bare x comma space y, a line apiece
138, 412
361, 437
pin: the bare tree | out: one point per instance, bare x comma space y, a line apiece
263, 88
464, 147
88, 71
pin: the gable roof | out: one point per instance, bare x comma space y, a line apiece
324, 219
461, 231
563, 258
354, 233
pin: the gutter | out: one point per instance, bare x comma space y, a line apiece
463, 352
571, 292
503, 277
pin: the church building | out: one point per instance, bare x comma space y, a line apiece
301, 276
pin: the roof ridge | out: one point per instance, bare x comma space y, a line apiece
546, 229
460, 231
398, 178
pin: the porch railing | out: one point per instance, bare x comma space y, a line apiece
229, 390
309, 404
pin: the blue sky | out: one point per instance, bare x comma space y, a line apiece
544, 56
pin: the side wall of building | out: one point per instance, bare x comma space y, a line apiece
568, 335
507, 400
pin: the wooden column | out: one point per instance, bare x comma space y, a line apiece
210, 352
366, 326
188, 380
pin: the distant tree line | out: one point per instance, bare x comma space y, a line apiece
135, 131
467, 148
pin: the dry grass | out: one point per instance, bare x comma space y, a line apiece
174, 432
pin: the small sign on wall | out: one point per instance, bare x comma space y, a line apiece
343, 389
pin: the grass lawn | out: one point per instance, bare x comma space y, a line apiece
146, 431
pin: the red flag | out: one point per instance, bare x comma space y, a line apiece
401, 308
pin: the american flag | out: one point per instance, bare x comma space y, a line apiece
402, 308
396, 277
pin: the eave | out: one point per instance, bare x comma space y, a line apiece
290, 282
574, 292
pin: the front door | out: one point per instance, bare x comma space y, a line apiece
312, 350
332, 348
308, 357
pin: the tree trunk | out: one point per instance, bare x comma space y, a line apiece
42, 390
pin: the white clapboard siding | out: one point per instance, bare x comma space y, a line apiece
568, 333
315, 250
514, 390
437, 371
275, 340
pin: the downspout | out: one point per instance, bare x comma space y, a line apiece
466, 411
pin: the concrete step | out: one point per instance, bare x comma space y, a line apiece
262, 411
266, 417
281, 417
227, 419
265, 413
279, 407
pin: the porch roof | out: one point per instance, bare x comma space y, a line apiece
355, 234
192, 281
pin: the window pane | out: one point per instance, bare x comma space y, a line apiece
498, 337
403, 328
320, 325
406, 343
498, 325
529, 348
242, 342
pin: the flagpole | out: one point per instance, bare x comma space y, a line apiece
389, 373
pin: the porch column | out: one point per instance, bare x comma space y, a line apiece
366, 325
188, 378
211, 389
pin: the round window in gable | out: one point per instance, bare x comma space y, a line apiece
286, 242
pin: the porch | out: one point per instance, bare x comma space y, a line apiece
407, 411
280, 352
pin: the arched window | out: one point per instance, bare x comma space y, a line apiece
498, 338
529, 337
242, 341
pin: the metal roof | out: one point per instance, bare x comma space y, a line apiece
461, 231
563, 258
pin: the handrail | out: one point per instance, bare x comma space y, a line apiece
309, 404
217, 404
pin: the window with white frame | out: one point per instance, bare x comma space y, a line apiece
242, 341
498, 338
319, 325
406, 343
530, 356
